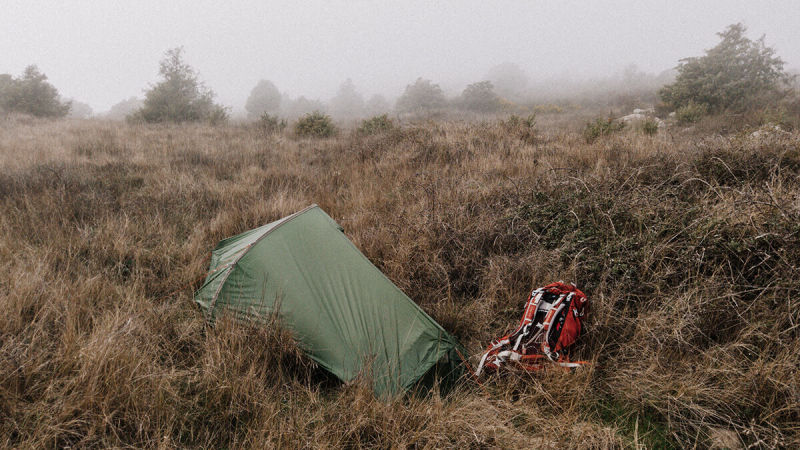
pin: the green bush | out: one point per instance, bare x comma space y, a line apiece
650, 127
690, 113
777, 116
375, 125
601, 127
272, 124
515, 121
315, 124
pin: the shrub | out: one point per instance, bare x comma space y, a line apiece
315, 124
272, 124
523, 127
650, 127
218, 115
180, 96
375, 125
601, 127
690, 113
422, 95
735, 75
515, 121
31, 94
264, 98
480, 97
778, 116
548, 108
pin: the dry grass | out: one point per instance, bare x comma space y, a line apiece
688, 247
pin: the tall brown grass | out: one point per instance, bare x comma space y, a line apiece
688, 247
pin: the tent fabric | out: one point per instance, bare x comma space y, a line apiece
344, 313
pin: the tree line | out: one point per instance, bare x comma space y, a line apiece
736, 75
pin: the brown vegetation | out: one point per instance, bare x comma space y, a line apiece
687, 246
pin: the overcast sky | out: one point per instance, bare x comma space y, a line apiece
104, 51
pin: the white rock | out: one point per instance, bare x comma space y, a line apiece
633, 118
769, 131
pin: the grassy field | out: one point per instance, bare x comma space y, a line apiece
687, 244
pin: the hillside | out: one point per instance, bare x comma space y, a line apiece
687, 245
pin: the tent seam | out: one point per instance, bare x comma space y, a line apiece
213, 302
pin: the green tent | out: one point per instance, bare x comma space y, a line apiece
341, 309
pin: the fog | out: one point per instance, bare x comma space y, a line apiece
101, 52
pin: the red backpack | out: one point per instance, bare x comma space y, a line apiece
550, 325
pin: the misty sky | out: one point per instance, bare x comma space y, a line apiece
104, 51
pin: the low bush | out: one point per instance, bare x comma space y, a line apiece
548, 108
515, 121
649, 127
315, 124
523, 127
601, 127
218, 115
690, 113
272, 123
375, 125
779, 116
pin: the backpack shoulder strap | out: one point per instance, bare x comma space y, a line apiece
563, 301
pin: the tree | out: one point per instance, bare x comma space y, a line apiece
422, 95
179, 96
480, 97
509, 79
79, 110
303, 106
736, 75
348, 101
31, 94
124, 108
264, 98
6, 81
377, 105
